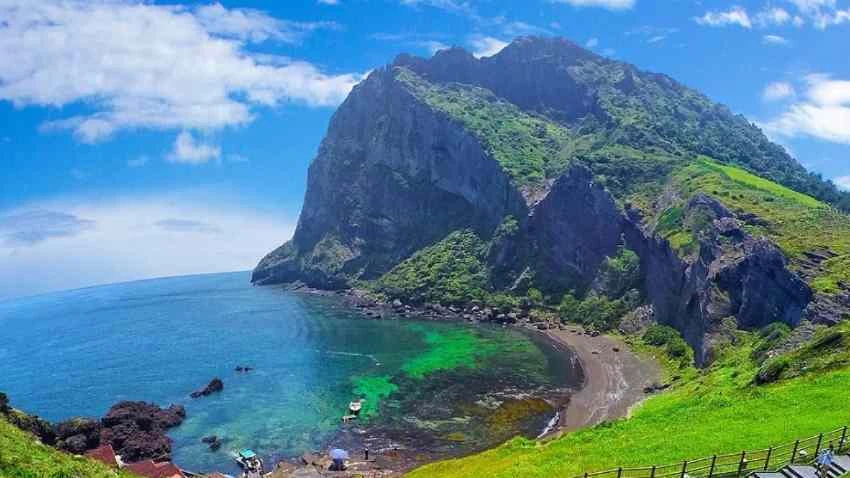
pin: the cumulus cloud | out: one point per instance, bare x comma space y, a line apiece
140, 65
736, 15
592, 42
773, 16
188, 150
28, 228
842, 182
774, 40
821, 13
609, 4
483, 46
823, 113
777, 90
130, 238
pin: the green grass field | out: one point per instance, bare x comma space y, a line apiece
717, 411
21, 456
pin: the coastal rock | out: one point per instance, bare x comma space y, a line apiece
213, 441
137, 430
215, 385
78, 435
243, 369
4, 404
33, 424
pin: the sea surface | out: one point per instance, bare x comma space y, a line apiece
444, 385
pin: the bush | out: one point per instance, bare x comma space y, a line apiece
770, 336
620, 273
772, 369
594, 311
670, 340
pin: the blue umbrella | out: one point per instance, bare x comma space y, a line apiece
339, 454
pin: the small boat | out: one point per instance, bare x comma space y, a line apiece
248, 460
355, 407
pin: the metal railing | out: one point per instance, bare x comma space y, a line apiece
738, 464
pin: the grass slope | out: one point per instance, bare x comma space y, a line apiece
718, 411
797, 223
21, 456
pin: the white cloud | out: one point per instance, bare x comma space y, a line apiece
188, 150
138, 162
609, 4
140, 65
253, 25
777, 90
592, 42
774, 40
821, 13
736, 15
773, 16
843, 182
483, 46
328, 2
132, 238
432, 46
823, 114
656, 39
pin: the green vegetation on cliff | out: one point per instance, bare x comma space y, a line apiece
797, 223
719, 410
528, 147
22, 456
451, 271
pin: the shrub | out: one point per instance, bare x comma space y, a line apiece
772, 369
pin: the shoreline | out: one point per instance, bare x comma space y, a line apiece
613, 378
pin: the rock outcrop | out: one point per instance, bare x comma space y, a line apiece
215, 385
137, 430
78, 435
733, 276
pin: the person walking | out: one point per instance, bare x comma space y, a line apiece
824, 461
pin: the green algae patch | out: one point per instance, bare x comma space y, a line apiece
372, 389
511, 414
448, 350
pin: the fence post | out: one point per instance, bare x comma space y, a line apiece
711, 469
794, 453
652, 473
684, 468
767, 458
741, 463
843, 439
820, 442
619, 472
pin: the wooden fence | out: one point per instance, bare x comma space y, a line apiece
738, 464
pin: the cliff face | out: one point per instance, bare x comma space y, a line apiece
391, 177
536, 151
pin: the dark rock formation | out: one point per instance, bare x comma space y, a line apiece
242, 368
78, 435
388, 165
4, 404
215, 385
734, 275
213, 441
137, 430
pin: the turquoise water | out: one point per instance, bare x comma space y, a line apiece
79, 352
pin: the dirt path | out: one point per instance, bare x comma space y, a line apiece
613, 381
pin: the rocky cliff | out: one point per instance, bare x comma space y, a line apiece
553, 161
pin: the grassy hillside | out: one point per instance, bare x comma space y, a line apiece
797, 223
720, 410
21, 456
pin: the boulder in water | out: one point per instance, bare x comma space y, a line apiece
215, 385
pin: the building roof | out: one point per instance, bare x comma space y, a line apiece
150, 469
104, 454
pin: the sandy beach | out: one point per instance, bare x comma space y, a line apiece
614, 381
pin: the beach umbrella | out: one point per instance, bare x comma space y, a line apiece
339, 454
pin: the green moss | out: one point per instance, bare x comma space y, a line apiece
450, 271
21, 456
373, 389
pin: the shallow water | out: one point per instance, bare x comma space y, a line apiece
449, 385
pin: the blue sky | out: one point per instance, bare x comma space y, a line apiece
140, 139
